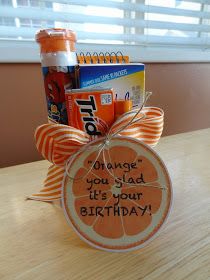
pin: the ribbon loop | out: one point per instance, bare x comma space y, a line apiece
57, 142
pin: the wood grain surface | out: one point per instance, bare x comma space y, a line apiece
36, 242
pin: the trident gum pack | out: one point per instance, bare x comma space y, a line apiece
91, 110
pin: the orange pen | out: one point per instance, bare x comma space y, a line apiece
122, 106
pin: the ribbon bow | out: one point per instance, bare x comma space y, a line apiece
57, 143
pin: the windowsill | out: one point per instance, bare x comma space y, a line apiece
28, 52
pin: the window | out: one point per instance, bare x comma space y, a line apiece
147, 30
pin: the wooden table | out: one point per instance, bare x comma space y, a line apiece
36, 242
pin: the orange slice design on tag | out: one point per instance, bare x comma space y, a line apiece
118, 205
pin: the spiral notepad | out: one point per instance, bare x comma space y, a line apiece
102, 58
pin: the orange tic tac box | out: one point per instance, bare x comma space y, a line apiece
91, 110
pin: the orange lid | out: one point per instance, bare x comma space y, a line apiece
55, 33
56, 39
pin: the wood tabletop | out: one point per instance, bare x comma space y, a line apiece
36, 242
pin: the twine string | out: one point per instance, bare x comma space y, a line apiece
119, 180
132, 120
100, 149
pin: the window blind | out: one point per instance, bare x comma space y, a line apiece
117, 23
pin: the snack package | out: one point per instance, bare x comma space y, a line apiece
126, 79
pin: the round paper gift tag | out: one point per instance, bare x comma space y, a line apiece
118, 201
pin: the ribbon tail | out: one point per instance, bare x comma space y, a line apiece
51, 190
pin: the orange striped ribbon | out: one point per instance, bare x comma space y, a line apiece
58, 142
